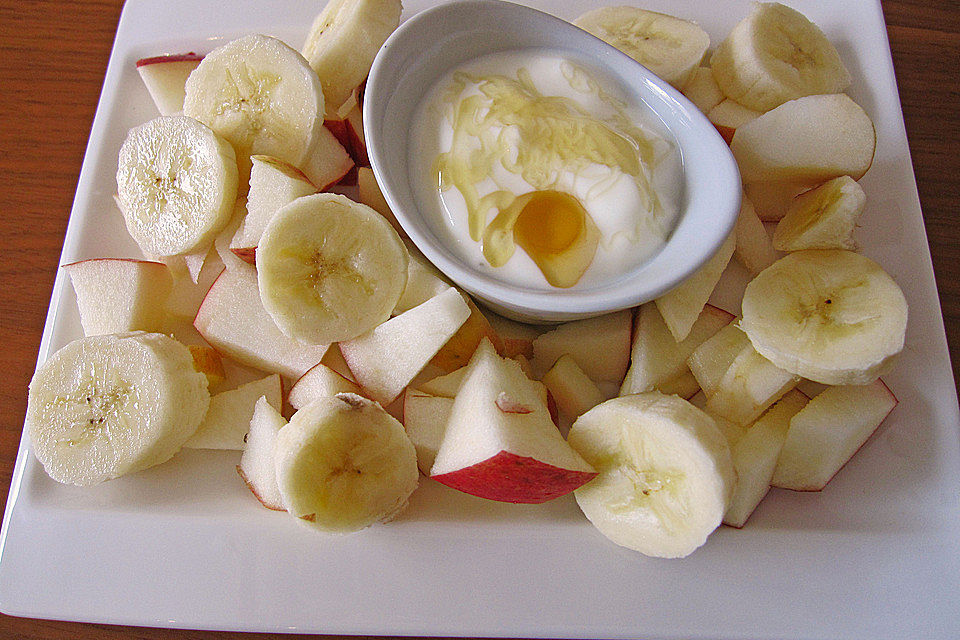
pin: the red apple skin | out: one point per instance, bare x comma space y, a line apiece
247, 254
725, 132
357, 149
177, 57
268, 505
339, 130
507, 477
349, 179
338, 180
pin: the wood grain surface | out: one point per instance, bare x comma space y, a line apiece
55, 54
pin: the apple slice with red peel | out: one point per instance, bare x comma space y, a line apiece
384, 360
358, 143
338, 127
116, 295
370, 194
517, 337
458, 350
755, 456
327, 161
728, 116
425, 418
585, 340
772, 200
319, 382
257, 468
165, 78
826, 433
749, 387
424, 281
273, 184
506, 455
228, 418
657, 358
232, 319
702, 90
809, 140
681, 306
207, 361
754, 247
711, 360
333, 358
574, 392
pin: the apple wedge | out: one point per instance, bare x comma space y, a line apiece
681, 306
369, 194
826, 433
500, 442
458, 350
228, 418
810, 139
585, 340
749, 387
822, 218
702, 90
711, 360
273, 184
424, 281
319, 382
685, 385
327, 161
257, 468
573, 391
657, 358
385, 359
357, 141
446, 385
232, 319
517, 337
754, 248
729, 115
165, 78
207, 361
333, 358
425, 419
772, 200
115, 295
755, 456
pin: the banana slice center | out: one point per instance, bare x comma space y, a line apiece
248, 94
95, 408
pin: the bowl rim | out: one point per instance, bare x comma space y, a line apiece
689, 127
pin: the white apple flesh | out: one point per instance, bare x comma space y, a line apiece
228, 418
165, 78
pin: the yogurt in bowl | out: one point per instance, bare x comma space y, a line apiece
542, 170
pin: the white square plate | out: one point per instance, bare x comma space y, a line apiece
876, 554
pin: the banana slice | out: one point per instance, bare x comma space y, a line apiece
666, 473
774, 55
176, 185
105, 406
831, 316
329, 269
670, 47
261, 96
343, 463
344, 40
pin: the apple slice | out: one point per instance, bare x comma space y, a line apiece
369, 194
822, 218
681, 306
731, 431
319, 382
358, 144
458, 350
657, 358
273, 184
207, 361
333, 358
702, 90
256, 467
826, 433
385, 359
600, 346
445, 386
115, 295
232, 319
517, 337
728, 116
187, 296
573, 391
755, 457
685, 385
772, 200
424, 281
500, 442
425, 419
711, 360
165, 78
810, 139
327, 162
749, 387
228, 418
754, 248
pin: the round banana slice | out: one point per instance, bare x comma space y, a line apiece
665, 477
176, 185
259, 94
343, 463
104, 406
670, 47
831, 316
774, 55
329, 269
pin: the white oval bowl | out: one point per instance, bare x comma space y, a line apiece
431, 43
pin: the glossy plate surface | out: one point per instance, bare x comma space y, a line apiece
876, 554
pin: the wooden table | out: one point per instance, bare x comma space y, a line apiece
54, 57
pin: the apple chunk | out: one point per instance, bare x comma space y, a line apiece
116, 295
228, 418
754, 248
256, 464
385, 359
828, 431
165, 78
500, 442
319, 382
573, 391
425, 419
600, 346
728, 116
424, 281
